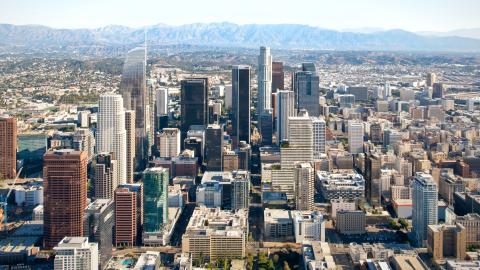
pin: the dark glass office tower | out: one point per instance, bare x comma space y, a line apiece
214, 147
266, 120
306, 87
278, 82
278, 76
240, 104
133, 89
194, 103
98, 226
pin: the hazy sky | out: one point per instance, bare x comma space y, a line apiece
413, 15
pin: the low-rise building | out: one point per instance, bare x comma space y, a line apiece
341, 204
213, 233
350, 222
346, 184
148, 260
403, 208
471, 222
408, 262
462, 265
278, 225
316, 255
446, 241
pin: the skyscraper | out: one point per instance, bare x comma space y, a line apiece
240, 104
278, 77
438, 90
373, 165
134, 92
83, 140
306, 87
266, 129
155, 200
425, 209
130, 135
355, 137
304, 186
240, 188
214, 147
194, 103
65, 194
106, 176
278, 83
111, 133
264, 79
161, 108
99, 222
8, 148
285, 109
319, 136
299, 148
431, 79
169, 142
128, 202
360, 92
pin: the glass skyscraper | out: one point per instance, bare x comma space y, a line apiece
306, 88
194, 103
240, 104
134, 92
425, 205
155, 199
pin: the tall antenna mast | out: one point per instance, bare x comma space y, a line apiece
145, 37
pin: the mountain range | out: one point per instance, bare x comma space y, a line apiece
277, 36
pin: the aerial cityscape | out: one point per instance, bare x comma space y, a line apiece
190, 136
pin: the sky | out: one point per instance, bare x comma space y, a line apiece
411, 15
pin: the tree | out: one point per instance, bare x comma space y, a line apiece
270, 265
250, 262
403, 223
275, 259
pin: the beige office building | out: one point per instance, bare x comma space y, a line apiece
471, 222
446, 241
213, 233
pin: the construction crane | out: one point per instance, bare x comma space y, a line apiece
4, 201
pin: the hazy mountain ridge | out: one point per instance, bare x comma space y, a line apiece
281, 36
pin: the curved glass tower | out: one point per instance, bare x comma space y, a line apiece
134, 91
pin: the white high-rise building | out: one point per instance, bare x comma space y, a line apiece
285, 109
387, 91
355, 137
425, 205
304, 186
319, 136
83, 119
74, 253
298, 149
161, 101
264, 80
169, 142
111, 133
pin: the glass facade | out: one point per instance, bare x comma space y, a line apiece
240, 104
194, 103
134, 92
155, 199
